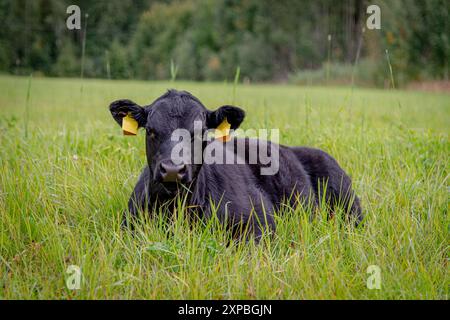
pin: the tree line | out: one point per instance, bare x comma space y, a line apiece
296, 40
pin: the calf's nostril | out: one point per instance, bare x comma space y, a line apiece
182, 169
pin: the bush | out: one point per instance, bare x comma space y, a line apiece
118, 61
67, 64
366, 73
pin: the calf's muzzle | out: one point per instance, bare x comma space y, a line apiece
170, 172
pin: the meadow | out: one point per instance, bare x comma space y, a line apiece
66, 173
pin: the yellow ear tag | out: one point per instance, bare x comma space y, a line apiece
222, 132
129, 126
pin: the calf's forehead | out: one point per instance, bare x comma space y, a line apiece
170, 114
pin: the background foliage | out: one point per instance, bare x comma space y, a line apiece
207, 40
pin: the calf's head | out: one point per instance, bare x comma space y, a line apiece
174, 110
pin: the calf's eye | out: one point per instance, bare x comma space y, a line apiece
151, 133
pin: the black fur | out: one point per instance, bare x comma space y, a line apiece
244, 197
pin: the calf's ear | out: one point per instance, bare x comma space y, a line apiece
120, 108
234, 116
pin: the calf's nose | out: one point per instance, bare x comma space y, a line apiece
171, 172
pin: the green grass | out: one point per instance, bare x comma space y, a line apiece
63, 186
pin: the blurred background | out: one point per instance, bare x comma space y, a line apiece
296, 41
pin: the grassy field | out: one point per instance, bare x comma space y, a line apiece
66, 173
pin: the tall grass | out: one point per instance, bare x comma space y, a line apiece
27, 106
108, 65
83, 53
63, 189
391, 72
173, 71
358, 54
329, 59
83, 45
236, 82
